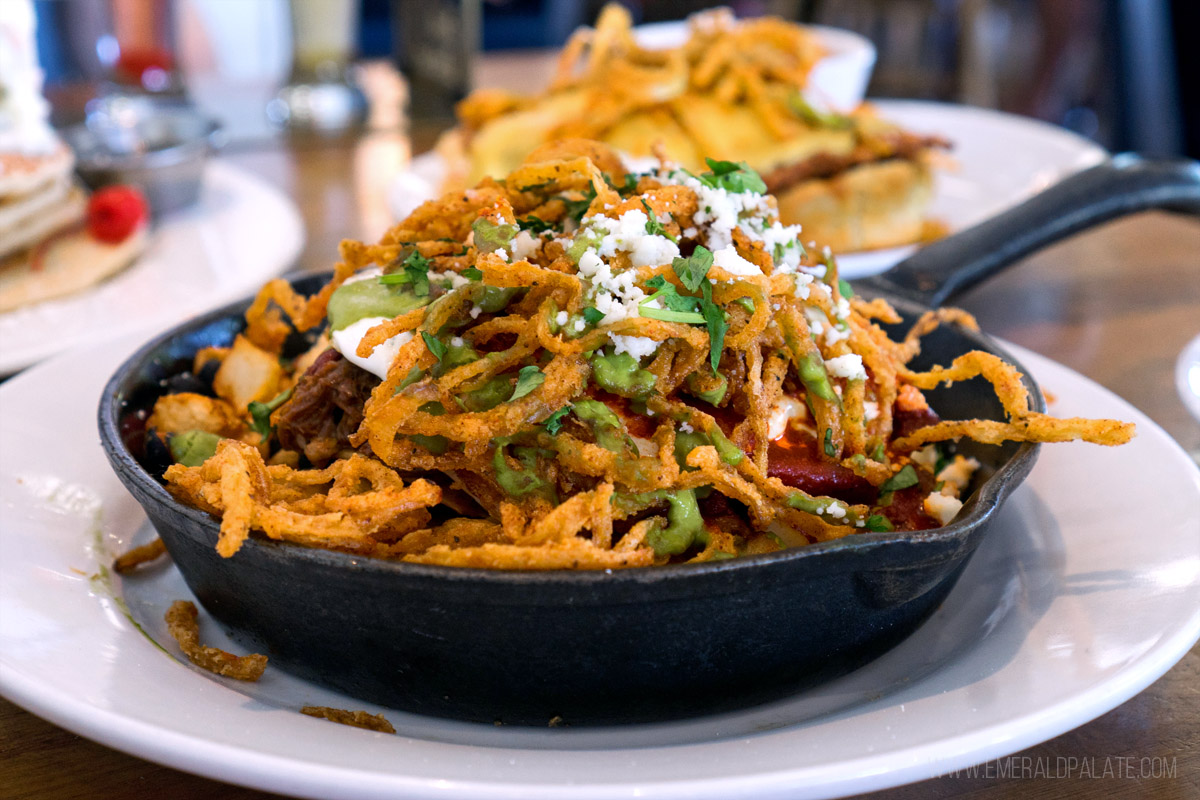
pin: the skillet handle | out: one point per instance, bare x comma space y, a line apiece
1122, 185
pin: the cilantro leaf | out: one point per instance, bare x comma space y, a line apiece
830, 449
901, 480
679, 308
553, 423
528, 379
653, 226
732, 176
435, 345
472, 274
490, 235
878, 523
534, 224
671, 315
714, 316
592, 315
260, 413
692, 270
416, 273
630, 186
577, 208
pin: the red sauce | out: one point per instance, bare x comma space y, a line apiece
795, 460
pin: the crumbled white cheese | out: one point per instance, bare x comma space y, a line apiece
686, 428
720, 210
727, 258
870, 410
628, 234
781, 414
637, 346
782, 243
848, 366
843, 308
957, 474
561, 318
835, 334
942, 507
579, 325
346, 340
927, 456
802, 285
475, 312
500, 251
524, 245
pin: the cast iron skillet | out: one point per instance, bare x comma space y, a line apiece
631, 645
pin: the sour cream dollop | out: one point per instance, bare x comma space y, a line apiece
346, 341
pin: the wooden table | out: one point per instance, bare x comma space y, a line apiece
1116, 304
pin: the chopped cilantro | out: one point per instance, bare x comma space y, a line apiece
577, 208
528, 379
668, 315
714, 315
732, 176
435, 345
416, 272
653, 226
901, 480
553, 423
534, 224
692, 270
260, 413
535, 187
830, 448
472, 274
592, 315
878, 523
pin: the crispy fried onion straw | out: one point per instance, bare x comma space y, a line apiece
500, 438
355, 719
184, 627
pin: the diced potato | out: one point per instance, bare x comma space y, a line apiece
176, 413
207, 354
247, 374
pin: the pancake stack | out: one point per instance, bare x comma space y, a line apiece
44, 250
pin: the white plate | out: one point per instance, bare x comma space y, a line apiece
1001, 158
1086, 591
240, 233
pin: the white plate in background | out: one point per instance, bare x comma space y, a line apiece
241, 232
1084, 592
1001, 158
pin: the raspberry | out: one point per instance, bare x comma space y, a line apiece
115, 212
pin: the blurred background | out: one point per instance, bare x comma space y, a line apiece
1119, 72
